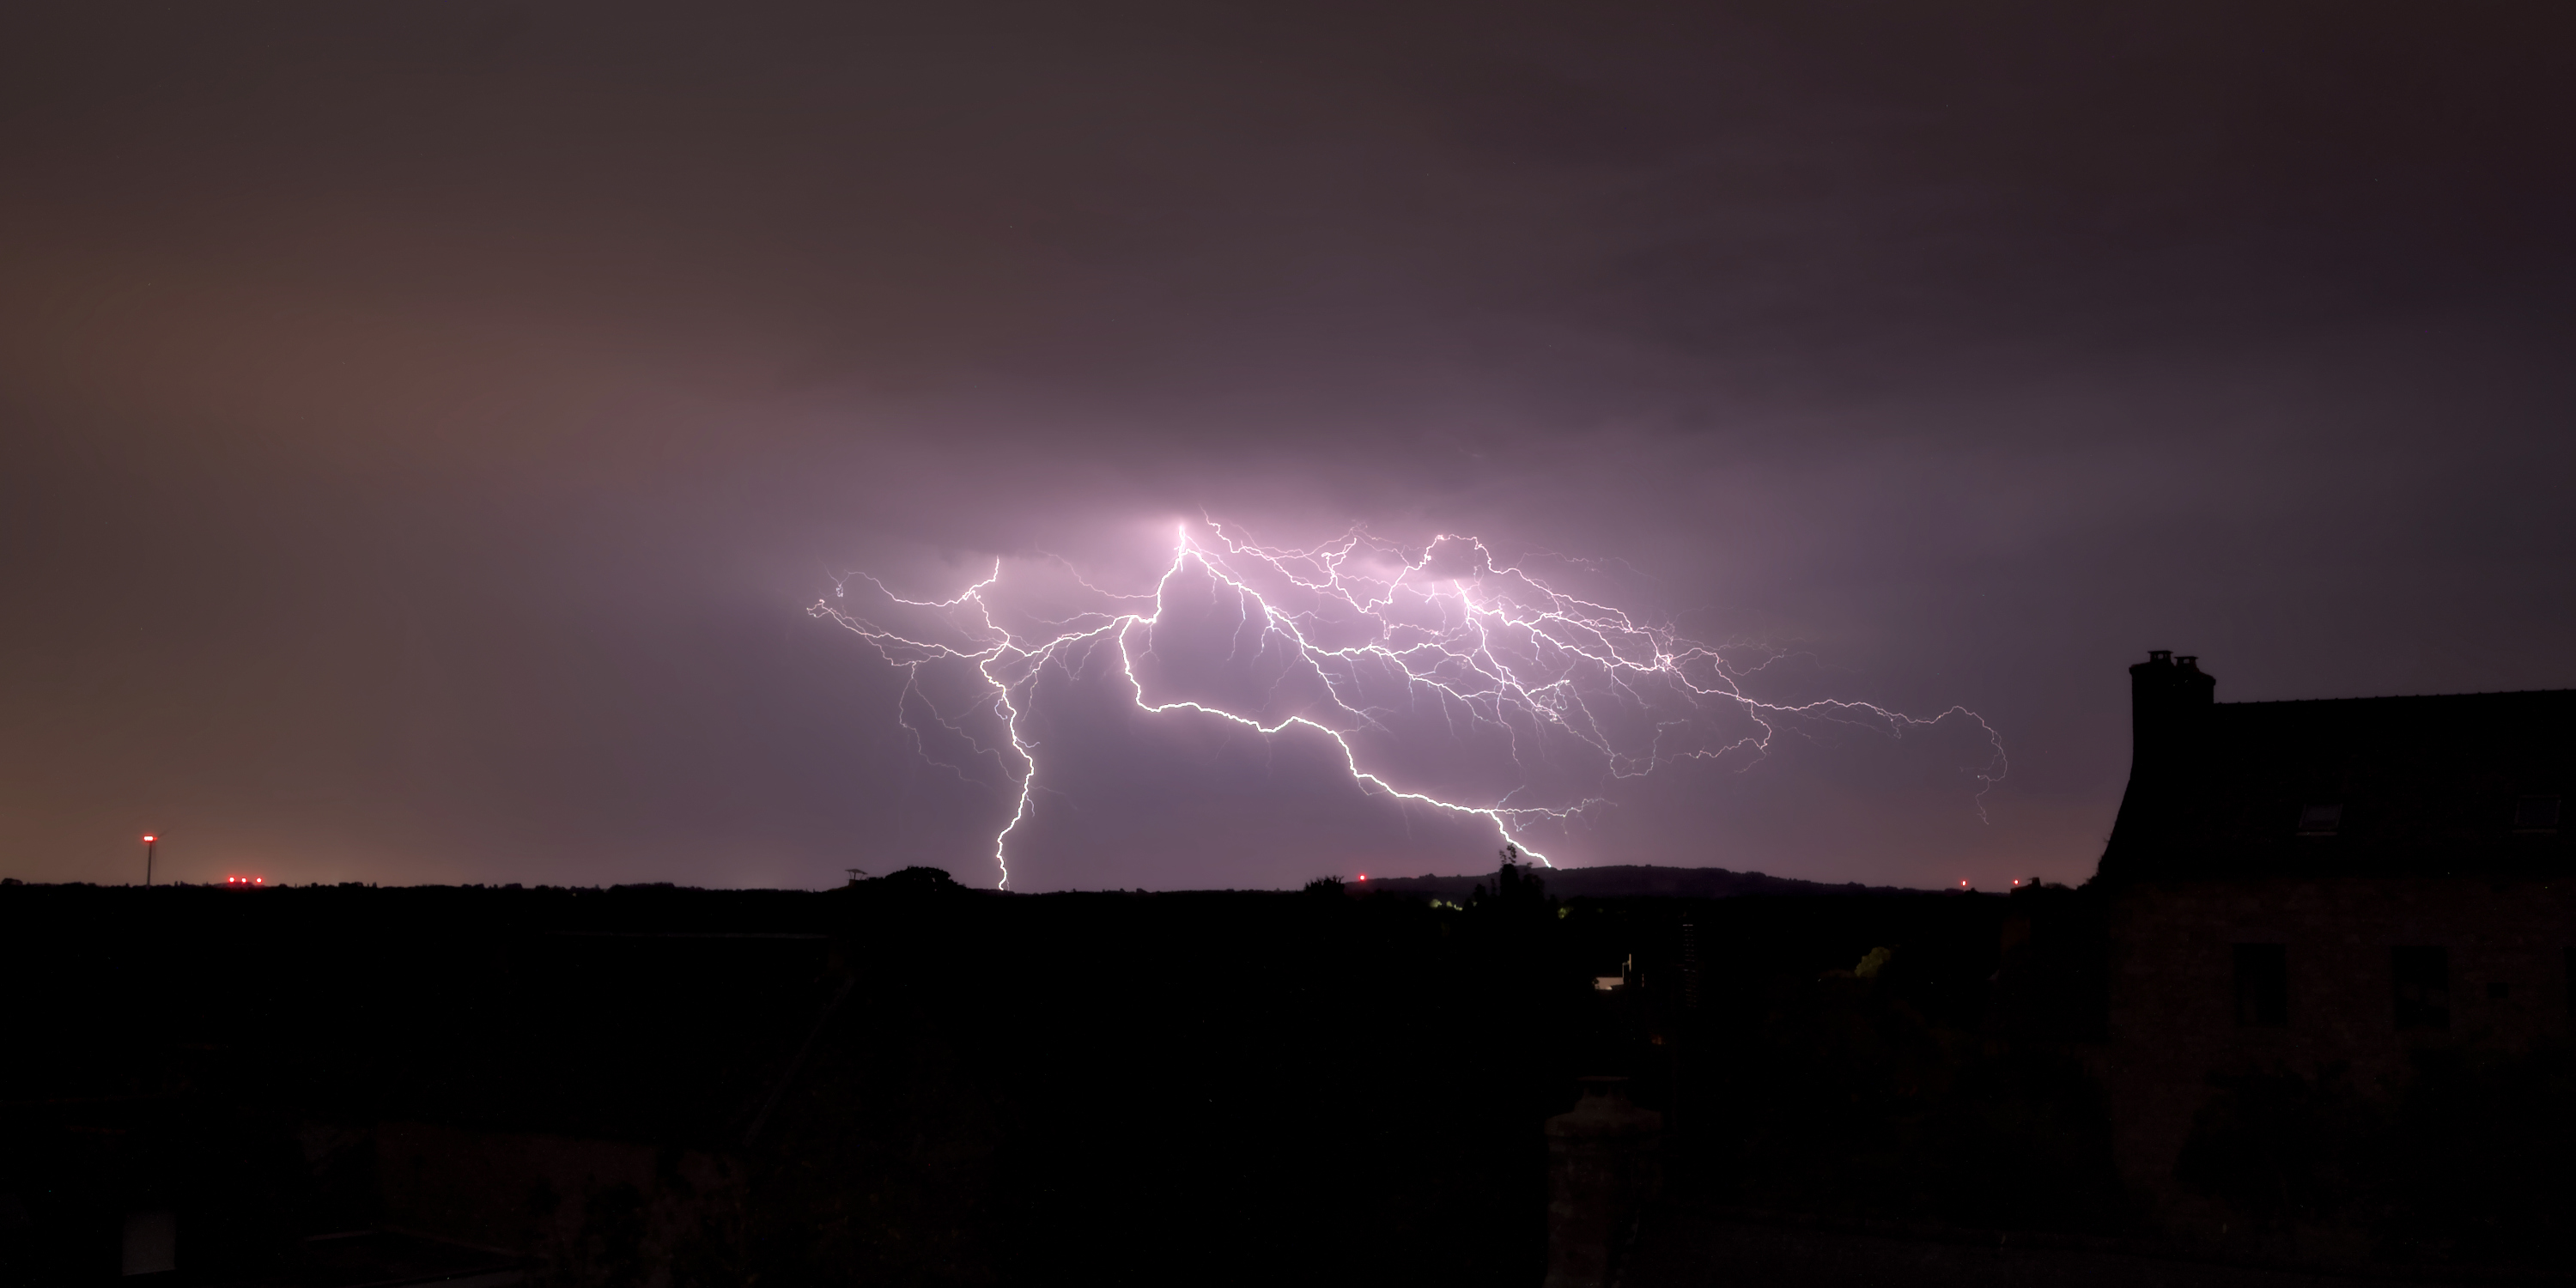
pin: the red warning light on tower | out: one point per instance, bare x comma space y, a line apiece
244, 883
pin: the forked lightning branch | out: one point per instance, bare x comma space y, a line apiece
1447, 680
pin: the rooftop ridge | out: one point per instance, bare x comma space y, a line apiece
2405, 697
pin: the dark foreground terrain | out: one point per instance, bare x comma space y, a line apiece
909, 1083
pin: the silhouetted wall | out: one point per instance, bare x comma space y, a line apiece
2185, 1028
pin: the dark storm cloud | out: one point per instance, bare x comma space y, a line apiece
428, 422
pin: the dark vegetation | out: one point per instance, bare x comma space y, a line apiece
909, 1082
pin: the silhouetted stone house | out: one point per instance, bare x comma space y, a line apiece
2319, 891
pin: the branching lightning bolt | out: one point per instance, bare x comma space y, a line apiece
1575, 692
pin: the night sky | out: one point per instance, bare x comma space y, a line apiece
428, 426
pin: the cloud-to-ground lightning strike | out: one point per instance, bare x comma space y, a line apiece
1543, 698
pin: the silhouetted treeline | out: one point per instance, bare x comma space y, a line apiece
911, 1082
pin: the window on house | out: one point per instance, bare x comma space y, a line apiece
2319, 820
2423, 978
2536, 814
2262, 985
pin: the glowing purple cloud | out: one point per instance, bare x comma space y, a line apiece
1528, 704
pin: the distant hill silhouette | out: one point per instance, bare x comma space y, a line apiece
1627, 880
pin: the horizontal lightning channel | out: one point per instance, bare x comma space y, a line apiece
1479, 640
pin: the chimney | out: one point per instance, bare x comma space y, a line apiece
2168, 696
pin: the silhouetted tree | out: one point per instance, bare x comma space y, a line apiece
1515, 886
